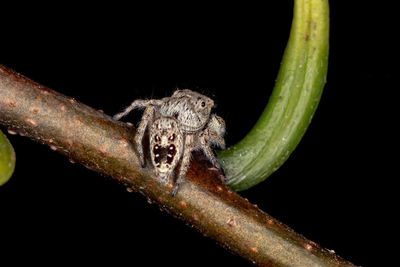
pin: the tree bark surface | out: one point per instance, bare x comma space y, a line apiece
94, 139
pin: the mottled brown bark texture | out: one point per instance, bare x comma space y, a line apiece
95, 140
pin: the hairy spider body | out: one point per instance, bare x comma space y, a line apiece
191, 109
177, 126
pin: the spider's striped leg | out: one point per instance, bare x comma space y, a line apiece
187, 152
215, 139
139, 103
208, 152
146, 119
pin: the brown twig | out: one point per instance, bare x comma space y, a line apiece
95, 140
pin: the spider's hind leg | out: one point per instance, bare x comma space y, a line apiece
212, 138
139, 103
208, 152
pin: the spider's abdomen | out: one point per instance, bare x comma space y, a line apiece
166, 144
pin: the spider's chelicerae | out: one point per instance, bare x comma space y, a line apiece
177, 126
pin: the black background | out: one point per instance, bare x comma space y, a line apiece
336, 188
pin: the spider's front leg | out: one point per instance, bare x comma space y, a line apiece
187, 152
146, 118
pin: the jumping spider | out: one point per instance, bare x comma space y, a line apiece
177, 126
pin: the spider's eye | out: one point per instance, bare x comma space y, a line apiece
203, 104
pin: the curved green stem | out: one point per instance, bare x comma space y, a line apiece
7, 159
292, 104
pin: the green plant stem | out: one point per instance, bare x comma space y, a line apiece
297, 92
7, 159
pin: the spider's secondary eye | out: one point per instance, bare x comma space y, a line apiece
203, 104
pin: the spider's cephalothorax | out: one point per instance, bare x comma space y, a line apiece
191, 109
178, 125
